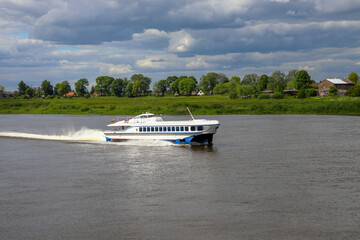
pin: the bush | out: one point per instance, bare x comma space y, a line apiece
354, 91
301, 93
87, 95
233, 95
310, 92
333, 91
277, 95
264, 96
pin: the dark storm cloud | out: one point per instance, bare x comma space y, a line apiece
216, 26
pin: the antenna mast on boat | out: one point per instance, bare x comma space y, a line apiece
190, 113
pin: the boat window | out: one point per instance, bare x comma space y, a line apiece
156, 129
200, 128
152, 129
148, 129
182, 129
186, 129
173, 129
192, 128
177, 129
140, 129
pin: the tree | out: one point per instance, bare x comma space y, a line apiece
144, 83
81, 87
92, 90
103, 84
263, 82
64, 88
160, 87
2, 88
277, 80
118, 87
220, 89
302, 79
333, 91
226, 88
22, 87
291, 75
235, 79
244, 90
208, 82
56, 89
46, 88
174, 86
354, 91
222, 78
169, 81
187, 86
250, 79
136, 88
30, 92
353, 77
129, 90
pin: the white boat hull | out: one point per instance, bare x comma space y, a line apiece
179, 132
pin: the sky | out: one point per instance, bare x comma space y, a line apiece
59, 40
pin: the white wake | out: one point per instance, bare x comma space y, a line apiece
83, 135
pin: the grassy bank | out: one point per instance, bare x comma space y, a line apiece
200, 105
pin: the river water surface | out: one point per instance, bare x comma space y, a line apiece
265, 177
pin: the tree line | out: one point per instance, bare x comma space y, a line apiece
211, 83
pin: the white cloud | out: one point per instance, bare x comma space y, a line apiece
180, 41
111, 69
333, 6
150, 34
196, 63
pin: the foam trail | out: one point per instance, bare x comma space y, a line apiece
84, 135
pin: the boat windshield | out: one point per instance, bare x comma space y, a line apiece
144, 116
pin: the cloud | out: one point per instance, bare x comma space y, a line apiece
67, 40
334, 6
180, 41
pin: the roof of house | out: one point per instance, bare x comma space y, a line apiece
339, 81
69, 94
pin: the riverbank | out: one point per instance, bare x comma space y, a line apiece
170, 105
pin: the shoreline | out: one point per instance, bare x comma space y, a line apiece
170, 105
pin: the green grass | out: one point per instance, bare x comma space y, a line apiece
199, 105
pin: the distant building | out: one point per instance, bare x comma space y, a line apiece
342, 85
95, 94
268, 91
4, 94
69, 94
316, 84
291, 92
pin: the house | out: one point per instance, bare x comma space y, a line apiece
69, 94
290, 92
341, 84
95, 94
4, 94
268, 91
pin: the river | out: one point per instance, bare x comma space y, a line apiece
265, 177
